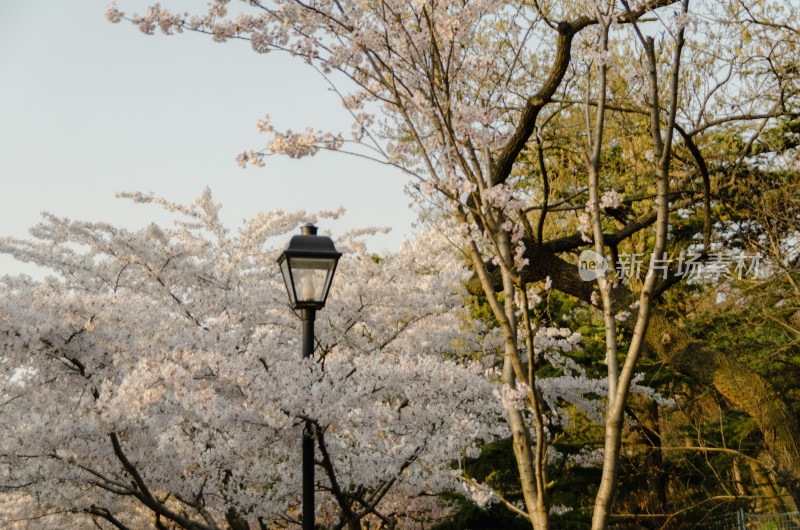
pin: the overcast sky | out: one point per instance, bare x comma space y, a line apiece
88, 108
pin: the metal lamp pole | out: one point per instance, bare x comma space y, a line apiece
308, 431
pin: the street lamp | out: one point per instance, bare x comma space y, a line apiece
307, 266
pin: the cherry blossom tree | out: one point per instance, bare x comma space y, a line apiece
158, 377
509, 117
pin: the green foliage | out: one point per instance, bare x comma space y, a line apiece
468, 516
574, 488
760, 334
479, 310
497, 467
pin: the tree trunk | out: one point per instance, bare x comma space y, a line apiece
656, 476
649, 425
519, 428
742, 387
772, 502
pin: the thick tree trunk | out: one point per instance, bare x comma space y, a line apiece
743, 387
649, 425
771, 501
656, 476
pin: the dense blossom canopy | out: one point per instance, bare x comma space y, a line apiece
162, 366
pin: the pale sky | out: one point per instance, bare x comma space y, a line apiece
89, 108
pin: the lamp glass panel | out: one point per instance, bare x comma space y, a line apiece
287, 279
311, 277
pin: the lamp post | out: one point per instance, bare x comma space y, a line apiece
307, 266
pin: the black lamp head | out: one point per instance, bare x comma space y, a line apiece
308, 265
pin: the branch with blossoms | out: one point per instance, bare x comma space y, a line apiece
484, 496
